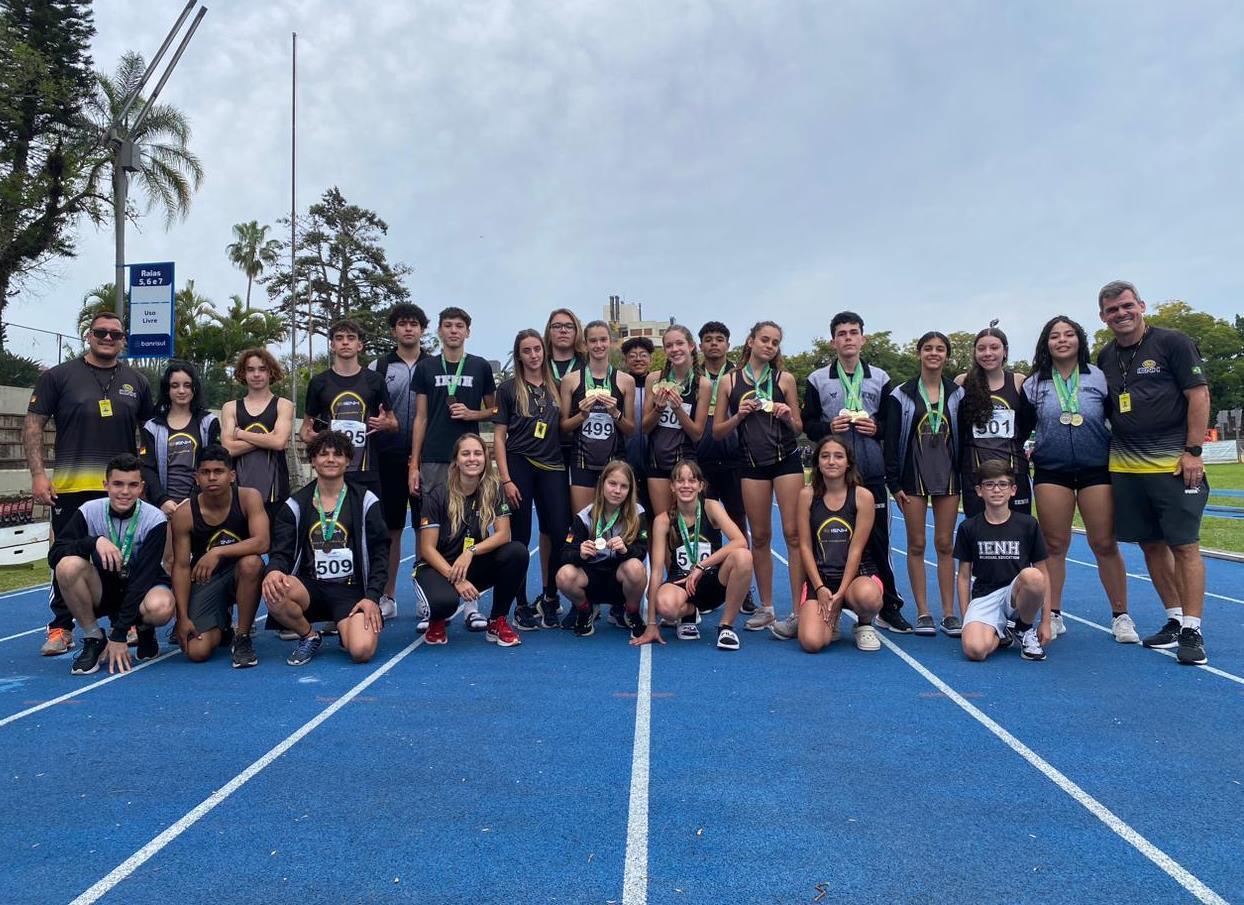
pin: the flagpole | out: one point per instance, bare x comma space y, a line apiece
293, 224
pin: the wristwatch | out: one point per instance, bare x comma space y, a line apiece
1193, 450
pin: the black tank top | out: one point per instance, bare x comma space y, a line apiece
265, 470
203, 537
997, 439
708, 542
598, 439
832, 531
668, 442
764, 438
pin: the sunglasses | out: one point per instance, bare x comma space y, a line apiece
100, 333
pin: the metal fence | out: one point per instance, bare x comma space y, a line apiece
48, 347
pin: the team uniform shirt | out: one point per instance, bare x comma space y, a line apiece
668, 442
344, 404
998, 553
205, 536
1067, 447
582, 528
921, 458
703, 545
97, 413
535, 436
1149, 412
434, 377
825, 395
265, 470
1002, 436
764, 438
832, 531
723, 452
172, 454
398, 377
452, 541
599, 438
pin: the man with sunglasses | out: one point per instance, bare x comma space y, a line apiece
97, 403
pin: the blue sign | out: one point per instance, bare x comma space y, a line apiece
151, 310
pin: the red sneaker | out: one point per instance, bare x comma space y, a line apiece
436, 633
500, 633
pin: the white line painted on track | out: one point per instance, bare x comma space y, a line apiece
1102, 628
19, 593
635, 876
32, 631
144, 854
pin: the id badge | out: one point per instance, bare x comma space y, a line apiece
105, 408
1125, 402
542, 428
334, 565
467, 543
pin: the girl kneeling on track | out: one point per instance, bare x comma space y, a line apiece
703, 572
604, 552
835, 520
465, 546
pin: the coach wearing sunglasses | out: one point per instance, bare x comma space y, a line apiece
97, 404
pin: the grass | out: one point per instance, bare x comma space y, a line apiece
1226, 477
14, 578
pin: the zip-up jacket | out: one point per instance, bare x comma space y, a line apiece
900, 418
824, 397
581, 529
155, 452
1066, 447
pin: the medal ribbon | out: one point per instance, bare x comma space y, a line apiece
766, 376
934, 411
1068, 392
124, 543
602, 530
687, 545
329, 527
852, 387
571, 364
457, 378
606, 382
712, 405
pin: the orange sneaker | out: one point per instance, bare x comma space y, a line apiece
59, 641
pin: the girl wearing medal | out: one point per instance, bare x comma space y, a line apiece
182, 426
465, 546
529, 460
835, 520
563, 342
604, 552
676, 401
764, 409
1068, 399
991, 423
598, 409
922, 465
704, 571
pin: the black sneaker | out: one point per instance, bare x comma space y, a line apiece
1191, 648
243, 652
148, 644
87, 661
226, 636
1166, 637
891, 619
548, 608
526, 619
748, 606
636, 624
617, 615
584, 625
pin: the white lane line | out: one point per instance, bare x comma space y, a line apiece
19, 593
1114, 823
144, 854
33, 631
1101, 628
635, 877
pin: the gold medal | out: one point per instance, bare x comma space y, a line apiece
1125, 402
845, 413
1064, 418
1077, 419
766, 405
105, 408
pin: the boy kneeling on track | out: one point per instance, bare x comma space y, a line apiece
604, 552
330, 556
107, 563
218, 542
1002, 572
703, 573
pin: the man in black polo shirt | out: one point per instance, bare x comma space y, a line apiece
1159, 411
98, 404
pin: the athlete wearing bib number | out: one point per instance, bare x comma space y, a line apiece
676, 400
719, 459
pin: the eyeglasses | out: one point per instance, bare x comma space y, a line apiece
562, 325
996, 485
100, 333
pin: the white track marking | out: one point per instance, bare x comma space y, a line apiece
19, 593
1156, 650
635, 877
139, 667
32, 631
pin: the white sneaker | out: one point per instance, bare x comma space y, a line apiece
1057, 625
1124, 629
866, 637
1030, 648
388, 607
761, 619
786, 629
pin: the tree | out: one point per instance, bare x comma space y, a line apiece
252, 252
342, 270
225, 334
44, 83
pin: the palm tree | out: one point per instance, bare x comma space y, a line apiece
252, 252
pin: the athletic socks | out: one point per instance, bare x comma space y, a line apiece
1021, 626
1192, 622
1174, 612
98, 632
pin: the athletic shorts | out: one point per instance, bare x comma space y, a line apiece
603, 587
1077, 479
67, 504
364, 480
584, 477
709, 594
992, 608
112, 594
211, 603
792, 464
330, 601
395, 496
832, 582
1157, 507
432, 474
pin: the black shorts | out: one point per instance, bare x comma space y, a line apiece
792, 464
112, 593
603, 587
211, 603
709, 594
395, 496
365, 480
67, 504
1072, 480
584, 477
1157, 507
330, 601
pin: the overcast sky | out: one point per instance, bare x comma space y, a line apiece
930, 165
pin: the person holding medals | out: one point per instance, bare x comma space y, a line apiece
604, 551
701, 570
465, 546
172, 440
676, 400
922, 465
763, 408
329, 557
598, 408
992, 424
530, 464
719, 458
1069, 402
835, 524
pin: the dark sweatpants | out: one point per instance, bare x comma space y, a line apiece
724, 485
879, 546
503, 570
